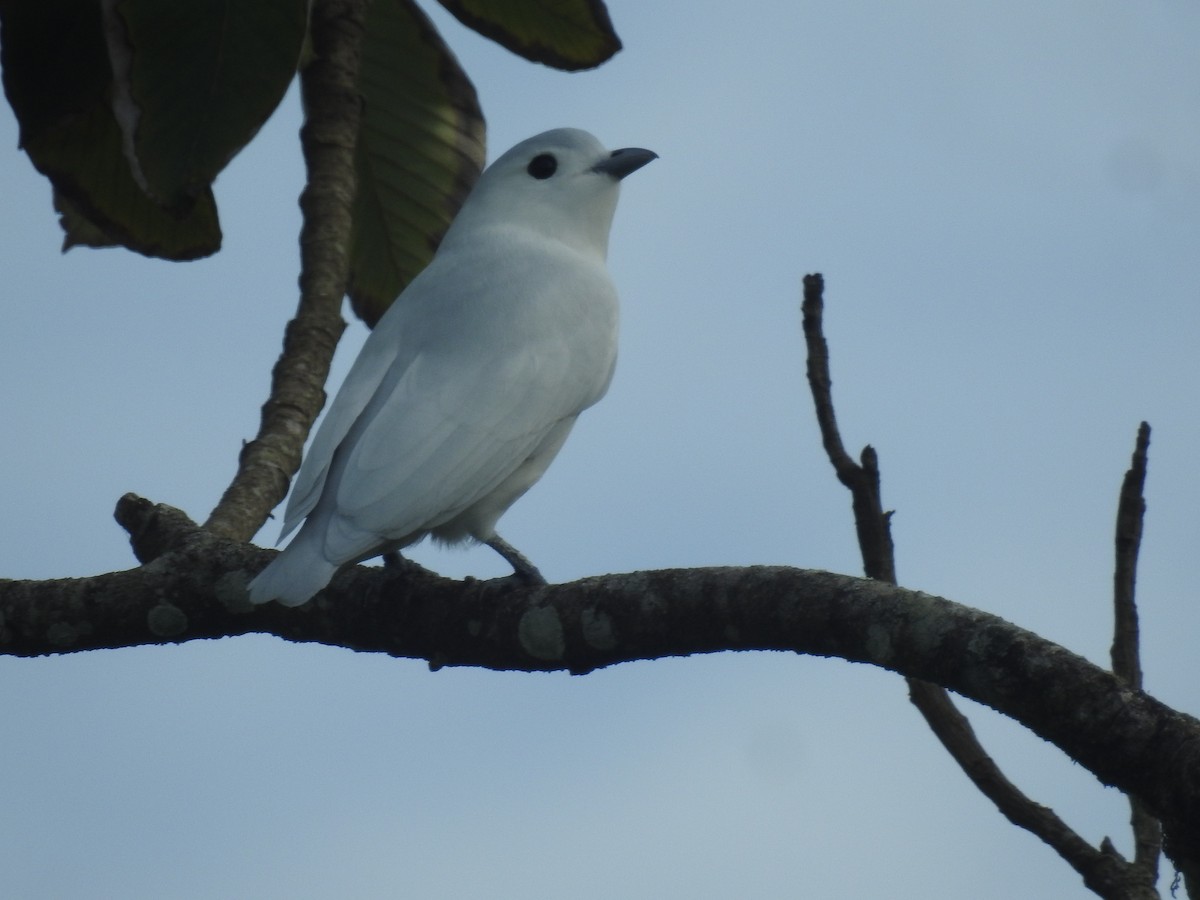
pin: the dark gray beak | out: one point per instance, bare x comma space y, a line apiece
622, 162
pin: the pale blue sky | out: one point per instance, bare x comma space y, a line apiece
1005, 202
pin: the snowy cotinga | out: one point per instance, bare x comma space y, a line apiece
469, 384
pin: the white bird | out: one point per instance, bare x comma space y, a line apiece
469, 384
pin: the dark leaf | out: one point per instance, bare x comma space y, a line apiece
87, 165
196, 80
420, 150
78, 229
57, 78
565, 34
54, 61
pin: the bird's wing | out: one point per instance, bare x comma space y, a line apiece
445, 437
374, 361
453, 425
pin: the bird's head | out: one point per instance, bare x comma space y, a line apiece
562, 184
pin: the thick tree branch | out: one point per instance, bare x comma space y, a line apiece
333, 108
1104, 871
196, 589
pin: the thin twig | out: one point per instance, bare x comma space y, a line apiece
333, 108
958, 737
1126, 653
1104, 871
872, 523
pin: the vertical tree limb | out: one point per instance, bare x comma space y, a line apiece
333, 109
1126, 653
1131, 507
872, 523
1104, 871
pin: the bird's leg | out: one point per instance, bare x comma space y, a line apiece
522, 567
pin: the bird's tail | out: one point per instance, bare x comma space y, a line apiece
295, 575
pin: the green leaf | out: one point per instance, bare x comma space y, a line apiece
565, 34
54, 61
195, 81
85, 161
57, 78
175, 240
78, 229
420, 149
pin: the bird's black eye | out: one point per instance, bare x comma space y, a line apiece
542, 166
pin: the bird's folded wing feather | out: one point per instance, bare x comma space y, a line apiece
374, 361
449, 431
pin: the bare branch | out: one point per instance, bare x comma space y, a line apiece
819, 379
1130, 510
873, 525
1104, 871
1126, 653
333, 109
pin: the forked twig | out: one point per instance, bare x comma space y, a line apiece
1104, 871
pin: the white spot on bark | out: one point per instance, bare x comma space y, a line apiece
598, 629
879, 644
540, 632
231, 591
166, 620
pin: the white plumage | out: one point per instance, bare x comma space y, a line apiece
470, 383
